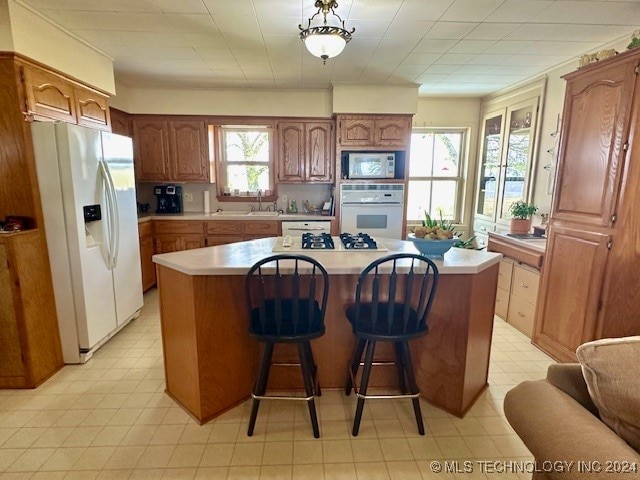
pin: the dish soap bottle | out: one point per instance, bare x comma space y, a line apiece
294, 207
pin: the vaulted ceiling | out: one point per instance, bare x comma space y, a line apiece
448, 47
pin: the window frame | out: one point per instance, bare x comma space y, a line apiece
217, 134
460, 178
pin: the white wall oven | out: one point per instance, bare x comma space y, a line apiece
375, 209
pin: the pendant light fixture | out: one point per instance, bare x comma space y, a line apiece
325, 41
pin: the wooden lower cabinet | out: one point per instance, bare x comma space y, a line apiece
176, 235
522, 299
30, 349
570, 300
228, 231
147, 249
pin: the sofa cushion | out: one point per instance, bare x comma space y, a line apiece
611, 369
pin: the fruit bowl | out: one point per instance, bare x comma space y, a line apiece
432, 248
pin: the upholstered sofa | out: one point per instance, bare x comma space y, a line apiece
558, 421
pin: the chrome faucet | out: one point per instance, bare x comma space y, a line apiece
259, 200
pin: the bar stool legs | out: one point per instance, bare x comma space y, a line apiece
406, 378
309, 376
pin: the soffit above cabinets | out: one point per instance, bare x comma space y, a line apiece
448, 47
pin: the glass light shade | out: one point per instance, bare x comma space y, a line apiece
324, 44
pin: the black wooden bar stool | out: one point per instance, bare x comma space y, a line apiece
287, 299
393, 298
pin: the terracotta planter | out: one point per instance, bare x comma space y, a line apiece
520, 225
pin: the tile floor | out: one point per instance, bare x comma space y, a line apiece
109, 419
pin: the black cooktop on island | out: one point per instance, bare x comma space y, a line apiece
320, 241
359, 241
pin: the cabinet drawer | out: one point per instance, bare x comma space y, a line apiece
224, 228
261, 228
504, 274
525, 283
213, 240
502, 303
521, 314
179, 226
145, 229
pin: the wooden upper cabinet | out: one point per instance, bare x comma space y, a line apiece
48, 96
391, 132
305, 152
188, 154
597, 111
150, 147
120, 122
92, 109
319, 151
291, 149
374, 131
571, 292
357, 132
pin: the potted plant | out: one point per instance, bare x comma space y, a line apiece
521, 213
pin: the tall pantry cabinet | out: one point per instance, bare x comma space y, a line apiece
591, 278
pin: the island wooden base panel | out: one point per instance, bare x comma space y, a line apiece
211, 363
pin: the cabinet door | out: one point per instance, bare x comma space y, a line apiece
391, 132
595, 126
489, 166
261, 228
92, 108
148, 267
291, 148
48, 95
150, 150
188, 153
190, 242
571, 290
357, 132
319, 152
213, 240
120, 122
168, 243
11, 364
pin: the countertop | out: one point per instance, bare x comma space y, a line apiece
237, 258
302, 217
537, 244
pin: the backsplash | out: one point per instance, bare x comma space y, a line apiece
314, 193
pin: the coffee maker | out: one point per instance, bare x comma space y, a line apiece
169, 198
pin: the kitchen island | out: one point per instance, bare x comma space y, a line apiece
211, 364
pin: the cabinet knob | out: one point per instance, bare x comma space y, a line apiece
520, 314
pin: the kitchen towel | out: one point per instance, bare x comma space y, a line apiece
207, 203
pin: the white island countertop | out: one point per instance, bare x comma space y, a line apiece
237, 258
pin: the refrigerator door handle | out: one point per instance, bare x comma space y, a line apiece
115, 218
109, 212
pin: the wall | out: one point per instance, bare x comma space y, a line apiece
375, 99
442, 112
286, 103
6, 34
40, 39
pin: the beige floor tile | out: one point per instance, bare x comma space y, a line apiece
126, 457
82, 436
126, 416
332, 429
217, 455
337, 451
277, 453
114, 474
94, 458
139, 435
395, 449
63, 459
366, 450
246, 454
111, 435
156, 456
309, 471
224, 432
24, 437
280, 432
339, 471
179, 473
372, 471
167, 435
214, 473
305, 452
147, 474
424, 448
8, 456
186, 456
244, 473
404, 470
47, 475
31, 460
276, 472
195, 434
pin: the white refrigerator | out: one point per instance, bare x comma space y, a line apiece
88, 196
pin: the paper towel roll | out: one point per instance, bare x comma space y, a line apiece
207, 202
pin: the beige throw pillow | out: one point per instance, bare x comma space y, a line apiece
611, 368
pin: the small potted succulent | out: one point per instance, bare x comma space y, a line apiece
521, 213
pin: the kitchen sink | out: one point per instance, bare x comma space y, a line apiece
234, 213
264, 214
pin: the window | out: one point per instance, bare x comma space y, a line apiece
435, 174
246, 160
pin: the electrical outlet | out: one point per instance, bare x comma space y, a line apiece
188, 197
